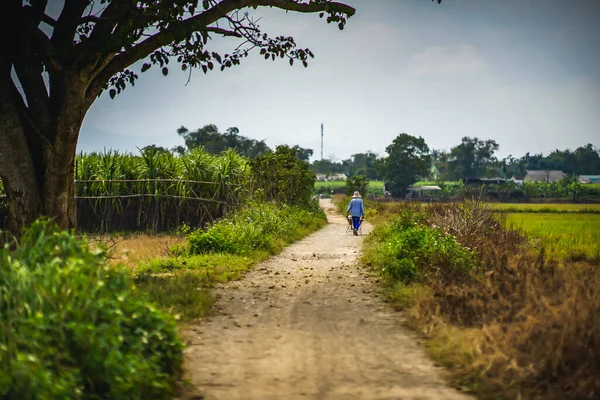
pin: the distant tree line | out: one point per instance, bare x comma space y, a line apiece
357, 164
409, 159
214, 142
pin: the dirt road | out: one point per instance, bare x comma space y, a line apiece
308, 324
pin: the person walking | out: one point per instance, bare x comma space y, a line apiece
356, 208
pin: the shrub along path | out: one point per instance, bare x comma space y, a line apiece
309, 324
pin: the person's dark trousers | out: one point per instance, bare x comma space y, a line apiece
356, 222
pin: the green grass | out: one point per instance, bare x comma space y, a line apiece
573, 236
179, 284
181, 294
546, 208
375, 187
73, 327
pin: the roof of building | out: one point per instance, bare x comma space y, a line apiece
423, 188
543, 175
590, 178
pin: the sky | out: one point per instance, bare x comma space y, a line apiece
525, 73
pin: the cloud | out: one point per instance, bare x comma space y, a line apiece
444, 61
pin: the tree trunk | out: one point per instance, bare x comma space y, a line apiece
16, 166
29, 198
37, 167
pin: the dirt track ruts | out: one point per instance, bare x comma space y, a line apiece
309, 324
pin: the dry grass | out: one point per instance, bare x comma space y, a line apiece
522, 326
535, 329
138, 248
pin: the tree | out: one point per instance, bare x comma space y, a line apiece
302, 153
326, 167
212, 141
358, 183
154, 148
470, 158
363, 164
62, 65
408, 158
283, 177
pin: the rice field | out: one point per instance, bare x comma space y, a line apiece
546, 208
565, 235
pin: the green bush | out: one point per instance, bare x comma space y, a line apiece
358, 183
283, 177
259, 226
407, 251
73, 327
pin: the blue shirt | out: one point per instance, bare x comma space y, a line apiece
356, 207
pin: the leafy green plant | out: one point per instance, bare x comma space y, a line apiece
73, 327
358, 183
258, 226
407, 252
157, 190
283, 177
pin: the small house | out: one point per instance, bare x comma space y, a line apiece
589, 179
337, 177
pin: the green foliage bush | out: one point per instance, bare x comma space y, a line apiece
358, 183
258, 226
406, 251
281, 176
72, 327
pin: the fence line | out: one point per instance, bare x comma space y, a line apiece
154, 180
127, 196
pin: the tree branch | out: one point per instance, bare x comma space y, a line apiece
310, 7
28, 66
197, 23
107, 22
222, 31
66, 25
49, 20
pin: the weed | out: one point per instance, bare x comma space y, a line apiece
182, 294
73, 327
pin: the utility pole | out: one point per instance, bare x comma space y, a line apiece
321, 141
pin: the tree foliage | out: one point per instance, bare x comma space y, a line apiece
327, 167
469, 159
357, 164
283, 177
408, 159
302, 153
358, 183
584, 160
215, 142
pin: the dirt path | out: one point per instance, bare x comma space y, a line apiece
308, 324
